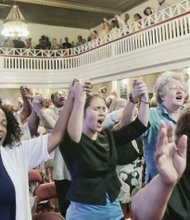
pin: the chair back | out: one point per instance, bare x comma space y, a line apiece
48, 216
45, 191
34, 176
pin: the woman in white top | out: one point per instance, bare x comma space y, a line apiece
16, 157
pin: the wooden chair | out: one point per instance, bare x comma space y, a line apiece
35, 176
35, 179
44, 193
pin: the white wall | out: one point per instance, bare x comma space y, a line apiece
37, 30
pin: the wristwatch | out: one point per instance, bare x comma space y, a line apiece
133, 100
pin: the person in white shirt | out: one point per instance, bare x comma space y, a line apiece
17, 157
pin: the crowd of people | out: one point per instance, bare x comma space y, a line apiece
111, 158
106, 27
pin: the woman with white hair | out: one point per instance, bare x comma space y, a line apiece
170, 94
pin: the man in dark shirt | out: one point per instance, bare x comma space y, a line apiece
66, 44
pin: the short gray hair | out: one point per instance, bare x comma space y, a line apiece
163, 80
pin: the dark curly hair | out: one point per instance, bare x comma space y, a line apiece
14, 132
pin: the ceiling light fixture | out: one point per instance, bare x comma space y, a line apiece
15, 24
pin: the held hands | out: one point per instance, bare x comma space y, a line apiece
170, 159
80, 88
139, 90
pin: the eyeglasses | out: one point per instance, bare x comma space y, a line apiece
177, 88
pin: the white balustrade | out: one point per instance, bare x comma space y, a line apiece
170, 24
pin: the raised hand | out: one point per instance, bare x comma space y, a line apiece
170, 159
80, 87
36, 103
139, 89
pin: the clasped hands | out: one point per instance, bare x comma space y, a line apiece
139, 90
80, 87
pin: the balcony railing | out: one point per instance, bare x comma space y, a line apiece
170, 24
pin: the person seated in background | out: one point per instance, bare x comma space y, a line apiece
168, 193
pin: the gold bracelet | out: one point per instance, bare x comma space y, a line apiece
145, 102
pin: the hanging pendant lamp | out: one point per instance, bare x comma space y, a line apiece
15, 24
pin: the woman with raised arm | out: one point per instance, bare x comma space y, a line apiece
17, 157
90, 153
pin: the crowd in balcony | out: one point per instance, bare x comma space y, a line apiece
106, 27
